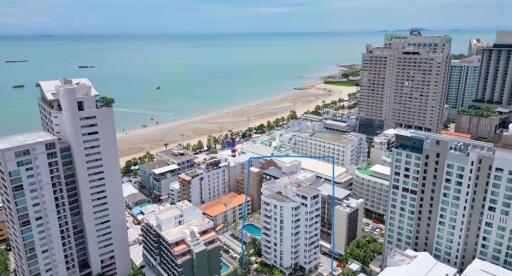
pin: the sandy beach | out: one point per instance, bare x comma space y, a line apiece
152, 138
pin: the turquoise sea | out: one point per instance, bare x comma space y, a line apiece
197, 73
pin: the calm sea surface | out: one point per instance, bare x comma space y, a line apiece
197, 73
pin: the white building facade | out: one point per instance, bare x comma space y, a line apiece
349, 150
37, 205
290, 214
73, 111
462, 83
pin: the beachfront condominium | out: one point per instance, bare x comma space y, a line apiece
39, 205
204, 183
179, 240
476, 45
348, 149
496, 233
372, 185
290, 218
437, 195
495, 86
462, 83
73, 111
403, 83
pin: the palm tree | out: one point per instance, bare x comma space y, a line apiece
166, 145
137, 272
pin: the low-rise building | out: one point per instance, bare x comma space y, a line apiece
204, 183
482, 122
483, 268
226, 209
380, 150
180, 240
372, 185
409, 262
290, 234
349, 150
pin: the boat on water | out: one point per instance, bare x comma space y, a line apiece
18, 86
15, 60
158, 88
86, 66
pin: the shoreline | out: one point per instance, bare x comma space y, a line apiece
135, 142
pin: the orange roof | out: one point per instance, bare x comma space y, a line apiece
456, 134
223, 203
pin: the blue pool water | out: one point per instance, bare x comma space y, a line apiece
253, 230
225, 268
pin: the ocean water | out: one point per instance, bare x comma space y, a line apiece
197, 73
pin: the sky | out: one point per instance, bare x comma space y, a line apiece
20, 17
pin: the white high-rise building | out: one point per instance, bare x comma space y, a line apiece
496, 237
73, 111
437, 195
38, 199
462, 83
290, 216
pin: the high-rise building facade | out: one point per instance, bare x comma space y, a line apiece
462, 83
37, 205
437, 195
290, 216
73, 111
496, 234
403, 83
495, 86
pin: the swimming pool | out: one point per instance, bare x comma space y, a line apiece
253, 230
225, 267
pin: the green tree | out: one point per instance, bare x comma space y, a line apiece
137, 272
106, 101
270, 126
292, 115
260, 129
4, 262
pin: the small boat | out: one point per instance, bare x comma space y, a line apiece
158, 88
15, 60
86, 66
18, 86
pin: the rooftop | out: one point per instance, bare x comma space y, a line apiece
377, 171
409, 262
24, 139
483, 268
172, 226
332, 137
222, 204
155, 164
49, 87
165, 169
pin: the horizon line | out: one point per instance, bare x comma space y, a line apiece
259, 33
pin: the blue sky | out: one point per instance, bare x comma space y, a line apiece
241, 16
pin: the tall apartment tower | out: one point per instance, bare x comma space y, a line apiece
496, 236
403, 83
290, 213
495, 85
38, 202
462, 83
73, 111
437, 195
